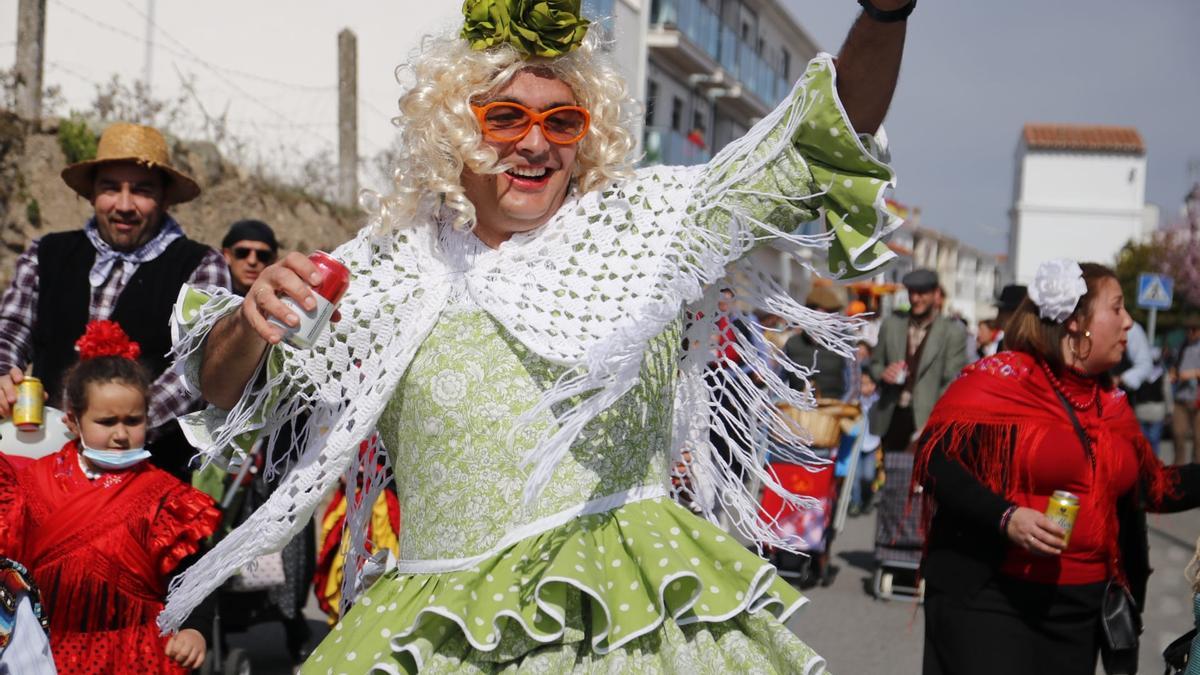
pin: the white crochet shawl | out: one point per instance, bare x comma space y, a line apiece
587, 291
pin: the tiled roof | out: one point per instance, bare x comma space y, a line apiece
1087, 137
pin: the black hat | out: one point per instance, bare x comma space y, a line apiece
920, 281
1011, 297
250, 230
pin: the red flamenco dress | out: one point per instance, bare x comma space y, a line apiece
102, 552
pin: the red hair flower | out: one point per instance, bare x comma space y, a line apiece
106, 338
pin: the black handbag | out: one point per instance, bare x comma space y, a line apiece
1120, 614
1121, 624
1178, 652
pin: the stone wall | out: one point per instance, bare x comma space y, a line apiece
35, 201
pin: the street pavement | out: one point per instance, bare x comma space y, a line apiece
859, 635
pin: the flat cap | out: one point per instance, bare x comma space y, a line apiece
921, 281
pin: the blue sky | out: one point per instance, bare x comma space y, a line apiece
976, 72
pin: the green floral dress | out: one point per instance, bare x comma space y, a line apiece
603, 572
576, 583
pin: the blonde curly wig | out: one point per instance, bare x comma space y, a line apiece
1193, 569
439, 136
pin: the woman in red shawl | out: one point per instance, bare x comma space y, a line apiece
100, 529
1005, 594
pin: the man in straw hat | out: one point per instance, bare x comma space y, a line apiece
127, 264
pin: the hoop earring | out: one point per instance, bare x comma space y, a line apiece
1076, 341
1087, 335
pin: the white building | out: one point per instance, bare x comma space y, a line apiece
714, 68
1079, 193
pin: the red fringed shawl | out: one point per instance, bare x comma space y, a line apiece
994, 418
102, 552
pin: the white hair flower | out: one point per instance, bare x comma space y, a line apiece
1057, 288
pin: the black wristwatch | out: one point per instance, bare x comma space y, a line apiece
889, 16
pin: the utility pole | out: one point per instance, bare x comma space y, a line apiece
148, 63
31, 55
347, 117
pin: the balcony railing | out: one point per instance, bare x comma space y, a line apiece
668, 146
704, 29
693, 18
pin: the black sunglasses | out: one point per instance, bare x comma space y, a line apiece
264, 257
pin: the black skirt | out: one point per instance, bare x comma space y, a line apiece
1013, 627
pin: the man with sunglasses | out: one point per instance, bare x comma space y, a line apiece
127, 265
248, 247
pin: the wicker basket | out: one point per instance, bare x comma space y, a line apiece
821, 424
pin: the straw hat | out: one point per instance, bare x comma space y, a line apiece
825, 298
124, 142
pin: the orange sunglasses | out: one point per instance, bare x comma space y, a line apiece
508, 122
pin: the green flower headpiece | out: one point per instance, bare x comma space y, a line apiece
546, 28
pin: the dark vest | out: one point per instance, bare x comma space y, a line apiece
143, 310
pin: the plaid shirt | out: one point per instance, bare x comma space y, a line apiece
169, 395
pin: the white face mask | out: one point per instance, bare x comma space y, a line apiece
115, 460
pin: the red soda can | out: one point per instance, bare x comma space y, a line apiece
335, 280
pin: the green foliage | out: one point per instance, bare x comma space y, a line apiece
1150, 257
76, 139
546, 28
33, 213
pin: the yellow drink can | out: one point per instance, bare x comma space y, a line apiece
1062, 510
29, 412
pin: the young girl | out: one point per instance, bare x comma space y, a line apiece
102, 530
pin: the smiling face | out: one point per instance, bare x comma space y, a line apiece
538, 172
921, 302
128, 199
114, 419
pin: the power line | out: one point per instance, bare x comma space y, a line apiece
120, 31
192, 56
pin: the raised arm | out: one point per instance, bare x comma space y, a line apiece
237, 342
869, 65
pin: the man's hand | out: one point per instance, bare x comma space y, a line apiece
1034, 532
295, 276
187, 648
894, 373
8, 390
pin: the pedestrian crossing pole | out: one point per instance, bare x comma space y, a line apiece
1153, 325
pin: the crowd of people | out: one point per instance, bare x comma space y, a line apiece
972, 441
533, 333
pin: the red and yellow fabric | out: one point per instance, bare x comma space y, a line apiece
383, 534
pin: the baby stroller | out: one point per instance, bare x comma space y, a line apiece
814, 529
898, 538
274, 590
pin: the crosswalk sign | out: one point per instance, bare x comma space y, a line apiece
1155, 291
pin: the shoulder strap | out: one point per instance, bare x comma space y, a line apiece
1083, 437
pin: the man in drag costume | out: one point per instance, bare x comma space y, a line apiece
514, 329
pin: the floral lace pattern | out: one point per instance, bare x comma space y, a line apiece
452, 416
